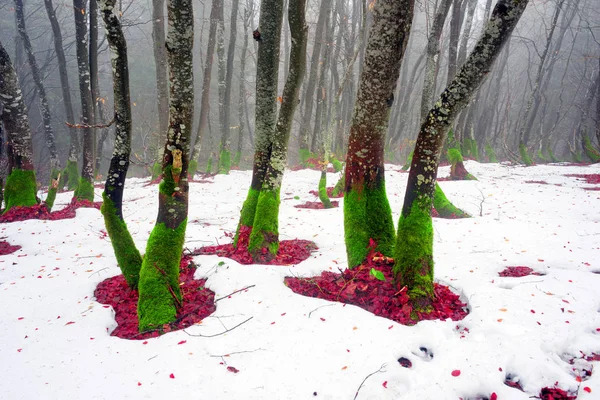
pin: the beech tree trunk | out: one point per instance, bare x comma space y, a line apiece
242, 88
128, 256
413, 266
225, 154
21, 188
71, 172
215, 10
85, 188
367, 214
44, 108
261, 208
162, 86
159, 293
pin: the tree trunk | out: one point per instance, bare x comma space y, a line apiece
215, 10
159, 293
242, 87
128, 256
264, 238
162, 86
225, 153
70, 174
414, 245
455, 24
309, 93
21, 187
85, 188
367, 214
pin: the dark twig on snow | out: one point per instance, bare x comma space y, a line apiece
221, 333
326, 305
381, 369
235, 352
237, 291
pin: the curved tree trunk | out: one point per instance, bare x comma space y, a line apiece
21, 187
162, 86
159, 293
367, 214
44, 108
414, 245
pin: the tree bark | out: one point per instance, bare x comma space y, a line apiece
159, 293
128, 256
367, 214
242, 87
414, 246
21, 187
160, 62
85, 188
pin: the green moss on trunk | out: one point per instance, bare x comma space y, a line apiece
590, 151
192, 168
337, 165
406, 165
474, 149
209, 165
159, 293
20, 189
525, 158
413, 255
552, 157
224, 162
444, 207
372, 206
236, 158
265, 229
156, 170
69, 176
457, 168
85, 190
541, 157
247, 213
490, 153
127, 254
52, 189
339, 186
454, 156
304, 155
323, 191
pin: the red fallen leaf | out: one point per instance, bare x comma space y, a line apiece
517, 272
172, 376
390, 327
70, 323
555, 394
494, 396
532, 311
182, 342
273, 323
384, 384
282, 314
456, 372
145, 342
21, 318
578, 379
587, 389
19, 350
322, 319
233, 369
139, 383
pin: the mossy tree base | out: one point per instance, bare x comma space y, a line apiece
52, 189
247, 213
406, 165
84, 191
323, 191
444, 207
413, 255
192, 168
20, 189
224, 162
69, 176
156, 170
159, 293
525, 157
458, 172
367, 216
127, 254
490, 154
590, 151
339, 186
264, 239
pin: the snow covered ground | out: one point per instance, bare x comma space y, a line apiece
55, 342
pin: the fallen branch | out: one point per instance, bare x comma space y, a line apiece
235, 352
221, 333
326, 305
381, 369
83, 126
237, 291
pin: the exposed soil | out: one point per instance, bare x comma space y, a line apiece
198, 303
290, 251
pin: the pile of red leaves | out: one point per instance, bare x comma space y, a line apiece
360, 287
329, 193
198, 303
555, 394
6, 248
290, 251
593, 179
517, 272
39, 211
317, 205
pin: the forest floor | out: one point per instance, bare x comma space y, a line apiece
522, 334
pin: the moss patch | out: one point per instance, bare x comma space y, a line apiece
337, 164
192, 168
156, 170
265, 227
159, 293
69, 176
454, 155
406, 165
52, 189
413, 256
236, 158
209, 165
20, 189
490, 153
444, 207
367, 216
224, 162
525, 158
339, 186
247, 213
590, 151
323, 191
128, 256
304, 155
84, 191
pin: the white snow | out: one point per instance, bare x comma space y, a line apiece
296, 347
